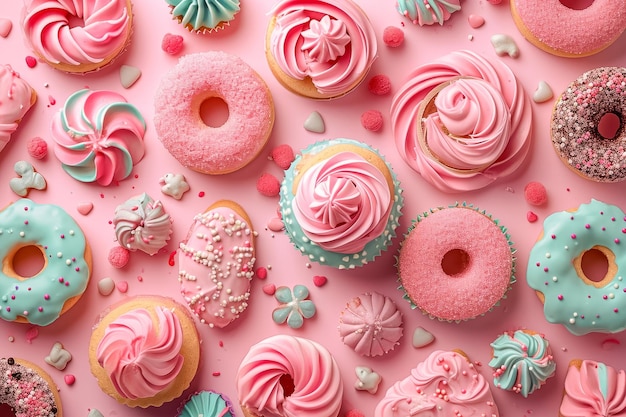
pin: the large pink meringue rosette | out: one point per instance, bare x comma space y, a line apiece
99, 136
342, 203
480, 129
142, 360
331, 42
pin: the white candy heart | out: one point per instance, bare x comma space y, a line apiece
422, 337
314, 123
543, 92
129, 75
94, 413
368, 380
106, 286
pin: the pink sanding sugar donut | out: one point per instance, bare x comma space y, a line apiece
445, 259
560, 30
179, 125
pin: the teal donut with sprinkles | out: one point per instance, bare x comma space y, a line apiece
571, 295
41, 298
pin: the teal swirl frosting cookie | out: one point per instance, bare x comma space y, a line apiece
207, 404
204, 15
522, 362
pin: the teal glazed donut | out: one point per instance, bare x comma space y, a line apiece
42, 298
555, 269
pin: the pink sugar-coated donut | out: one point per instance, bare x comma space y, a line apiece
456, 263
207, 149
557, 29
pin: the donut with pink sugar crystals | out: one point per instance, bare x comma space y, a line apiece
563, 31
456, 263
213, 149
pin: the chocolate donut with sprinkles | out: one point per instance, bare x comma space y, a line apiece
28, 390
577, 116
572, 296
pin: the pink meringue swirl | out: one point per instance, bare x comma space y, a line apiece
494, 144
106, 25
342, 203
302, 24
326, 39
141, 223
142, 357
317, 384
466, 392
471, 125
99, 136
16, 98
594, 390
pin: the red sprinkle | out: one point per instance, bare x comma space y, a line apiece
268, 185
372, 120
31, 334
319, 280
201, 194
261, 272
172, 44
31, 61
216, 373
379, 85
531, 217
172, 259
535, 193
283, 156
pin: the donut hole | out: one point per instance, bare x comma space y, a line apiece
577, 4
28, 261
286, 381
594, 265
214, 111
6, 410
609, 125
454, 262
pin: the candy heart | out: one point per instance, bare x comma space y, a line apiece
542, 93
5, 27
531, 217
129, 75
106, 286
314, 123
275, 224
319, 280
269, 289
84, 208
476, 21
422, 337
122, 286
69, 379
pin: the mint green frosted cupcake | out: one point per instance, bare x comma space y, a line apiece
341, 203
208, 404
204, 15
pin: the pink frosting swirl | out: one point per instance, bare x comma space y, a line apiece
317, 384
342, 203
141, 357
465, 391
301, 25
489, 110
16, 98
594, 390
141, 223
99, 136
106, 24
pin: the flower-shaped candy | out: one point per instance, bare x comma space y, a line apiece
294, 306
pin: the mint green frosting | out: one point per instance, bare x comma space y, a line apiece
522, 362
569, 300
204, 14
49, 228
208, 404
311, 249
427, 11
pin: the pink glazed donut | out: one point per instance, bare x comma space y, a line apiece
563, 31
179, 125
445, 257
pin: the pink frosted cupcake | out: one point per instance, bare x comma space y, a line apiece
371, 324
444, 258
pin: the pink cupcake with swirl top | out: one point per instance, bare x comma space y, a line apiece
99, 136
320, 49
462, 122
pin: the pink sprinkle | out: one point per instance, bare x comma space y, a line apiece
531, 217
31, 334
610, 344
617, 240
372, 120
172, 44
31, 61
172, 259
52, 100
535, 193
216, 373
560, 297
220, 343
261, 272
379, 85
616, 310
573, 235
139, 278
269, 289
46, 296
122, 286
37, 148
201, 194
393, 36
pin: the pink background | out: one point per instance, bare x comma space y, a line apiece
223, 349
